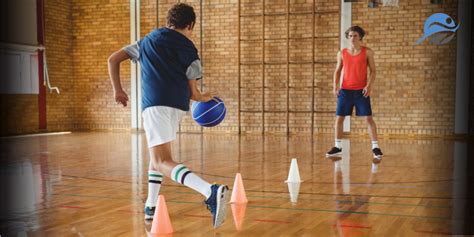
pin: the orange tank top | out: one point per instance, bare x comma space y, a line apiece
355, 70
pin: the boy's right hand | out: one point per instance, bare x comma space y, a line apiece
121, 97
335, 91
207, 96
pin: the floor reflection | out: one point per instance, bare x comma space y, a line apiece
348, 205
26, 187
93, 184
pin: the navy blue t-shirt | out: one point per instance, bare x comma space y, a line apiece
165, 55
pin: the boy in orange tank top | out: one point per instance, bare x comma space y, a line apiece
356, 88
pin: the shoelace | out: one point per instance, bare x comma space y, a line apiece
208, 206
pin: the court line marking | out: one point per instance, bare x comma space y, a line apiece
352, 226
273, 221
386, 196
71, 207
432, 232
280, 208
328, 210
286, 193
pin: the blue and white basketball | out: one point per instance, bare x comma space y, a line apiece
208, 114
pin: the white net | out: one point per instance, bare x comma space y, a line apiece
390, 3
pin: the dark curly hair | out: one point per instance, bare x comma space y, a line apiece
181, 15
357, 29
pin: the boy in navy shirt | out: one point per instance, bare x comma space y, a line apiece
170, 66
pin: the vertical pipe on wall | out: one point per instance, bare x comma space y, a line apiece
135, 82
200, 41
157, 13
313, 47
201, 21
263, 66
138, 74
42, 120
287, 67
238, 72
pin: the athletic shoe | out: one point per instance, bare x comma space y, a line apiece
377, 153
216, 203
335, 151
149, 213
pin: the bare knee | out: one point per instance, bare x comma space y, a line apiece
159, 156
369, 120
340, 120
161, 165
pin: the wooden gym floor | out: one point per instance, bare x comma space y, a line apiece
95, 184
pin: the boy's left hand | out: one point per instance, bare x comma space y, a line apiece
209, 95
366, 91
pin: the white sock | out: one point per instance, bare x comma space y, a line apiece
375, 144
338, 143
154, 184
181, 174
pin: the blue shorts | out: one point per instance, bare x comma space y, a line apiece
347, 99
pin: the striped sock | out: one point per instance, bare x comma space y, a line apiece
181, 174
154, 184
375, 144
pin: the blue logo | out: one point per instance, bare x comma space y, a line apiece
441, 27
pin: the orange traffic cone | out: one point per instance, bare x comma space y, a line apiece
238, 212
238, 192
161, 219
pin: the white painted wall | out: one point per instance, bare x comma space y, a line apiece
18, 72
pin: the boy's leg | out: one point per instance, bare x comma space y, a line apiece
344, 108
338, 129
215, 195
373, 137
155, 179
372, 128
364, 108
337, 149
163, 162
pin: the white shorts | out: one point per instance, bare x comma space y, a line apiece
161, 124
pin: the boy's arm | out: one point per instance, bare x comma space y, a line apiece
371, 77
196, 95
114, 72
194, 73
337, 74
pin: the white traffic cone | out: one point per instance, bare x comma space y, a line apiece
294, 175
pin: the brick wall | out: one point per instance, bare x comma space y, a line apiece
288, 70
413, 93
59, 56
218, 53
21, 114
99, 29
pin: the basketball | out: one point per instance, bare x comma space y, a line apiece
208, 114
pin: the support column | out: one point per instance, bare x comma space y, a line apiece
463, 67
346, 21
135, 80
